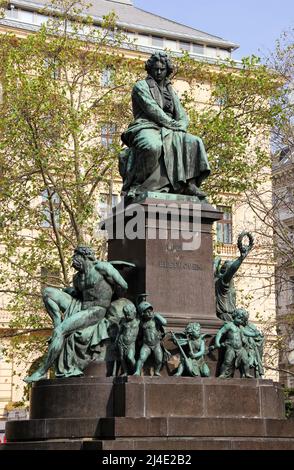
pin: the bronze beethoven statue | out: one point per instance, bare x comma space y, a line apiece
162, 156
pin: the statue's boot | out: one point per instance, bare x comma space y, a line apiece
224, 375
247, 375
35, 377
193, 190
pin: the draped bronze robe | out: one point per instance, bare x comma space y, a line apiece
159, 157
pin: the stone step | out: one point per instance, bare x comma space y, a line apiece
157, 444
113, 428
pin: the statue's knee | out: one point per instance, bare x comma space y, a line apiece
155, 148
48, 292
150, 148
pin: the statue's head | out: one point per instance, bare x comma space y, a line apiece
130, 312
193, 330
145, 310
81, 255
159, 66
240, 316
225, 266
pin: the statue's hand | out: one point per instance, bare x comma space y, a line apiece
176, 126
69, 290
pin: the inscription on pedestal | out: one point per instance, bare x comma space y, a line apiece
180, 266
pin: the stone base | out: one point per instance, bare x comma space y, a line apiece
231, 434
153, 413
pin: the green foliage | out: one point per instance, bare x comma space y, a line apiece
3, 5
53, 163
238, 117
14, 405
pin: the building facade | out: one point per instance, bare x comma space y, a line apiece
283, 217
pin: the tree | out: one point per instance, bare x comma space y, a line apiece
65, 99
62, 86
274, 206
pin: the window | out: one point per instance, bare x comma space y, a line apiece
186, 46
46, 212
106, 203
144, 39
51, 64
107, 134
49, 277
223, 53
291, 352
224, 226
106, 77
26, 16
12, 12
198, 48
291, 290
210, 51
157, 41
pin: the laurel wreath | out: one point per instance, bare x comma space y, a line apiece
245, 248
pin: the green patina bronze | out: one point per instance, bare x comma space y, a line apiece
161, 156
79, 315
126, 339
242, 343
191, 345
151, 332
225, 292
254, 342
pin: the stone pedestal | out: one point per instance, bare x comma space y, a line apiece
168, 412
153, 413
177, 275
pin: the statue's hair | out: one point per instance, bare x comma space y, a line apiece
159, 57
129, 308
241, 312
86, 252
192, 327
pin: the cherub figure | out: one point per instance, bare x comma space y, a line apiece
126, 339
152, 332
192, 349
254, 340
236, 355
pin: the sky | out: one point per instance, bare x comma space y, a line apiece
253, 24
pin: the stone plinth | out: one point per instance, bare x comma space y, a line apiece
178, 277
168, 413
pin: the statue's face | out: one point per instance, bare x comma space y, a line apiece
238, 320
225, 266
194, 331
158, 71
130, 314
148, 314
78, 262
